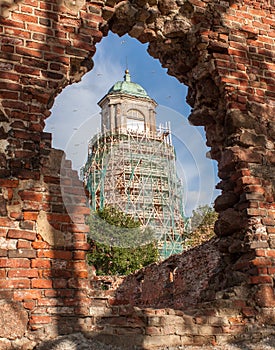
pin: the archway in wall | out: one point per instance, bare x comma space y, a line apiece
74, 121
75, 115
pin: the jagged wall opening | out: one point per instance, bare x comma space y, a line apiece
223, 52
78, 106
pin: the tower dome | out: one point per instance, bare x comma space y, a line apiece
128, 87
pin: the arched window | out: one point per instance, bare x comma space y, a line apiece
135, 120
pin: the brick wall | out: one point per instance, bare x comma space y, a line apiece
223, 51
164, 303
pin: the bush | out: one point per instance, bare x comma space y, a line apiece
119, 246
202, 226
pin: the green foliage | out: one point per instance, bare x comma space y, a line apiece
203, 217
202, 226
117, 229
121, 261
119, 245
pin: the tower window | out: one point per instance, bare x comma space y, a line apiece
135, 120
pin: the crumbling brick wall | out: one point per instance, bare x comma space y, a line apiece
223, 51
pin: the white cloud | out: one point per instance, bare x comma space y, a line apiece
78, 102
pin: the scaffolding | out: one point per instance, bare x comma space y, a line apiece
136, 173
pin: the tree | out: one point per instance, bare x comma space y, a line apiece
202, 226
119, 245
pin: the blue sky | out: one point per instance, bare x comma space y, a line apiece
75, 114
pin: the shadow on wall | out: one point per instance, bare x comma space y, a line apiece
175, 283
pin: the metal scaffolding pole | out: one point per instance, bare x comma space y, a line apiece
136, 173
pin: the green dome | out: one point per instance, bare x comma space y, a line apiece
127, 87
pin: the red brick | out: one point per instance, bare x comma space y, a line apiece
3, 232
256, 212
15, 215
10, 95
79, 255
22, 234
261, 261
46, 14
51, 293
26, 9
52, 179
31, 196
29, 305
18, 33
55, 56
81, 246
55, 254
27, 70
82, 237
23, 263
38, 37
268, 221
249, 311
8, 183
24, 18
5, 222
49, 302
32, 62
270, 253
39, 319
28, 294
260, 252
22, 253
59, 217
38, 46
31, 273
55, 272
98, 19
80, 274
250, 18
77, 265
265, 296
60, 283
33, 3
41, 263
40, 245
78, 283
15, 284
41, 283
30, 215
29, 52
271, 270
261, 280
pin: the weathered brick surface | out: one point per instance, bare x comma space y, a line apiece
223, 51
177, 282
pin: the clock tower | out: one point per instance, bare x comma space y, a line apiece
127, 106
131, 165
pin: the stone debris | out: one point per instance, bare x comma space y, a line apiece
78, 341
75, 341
